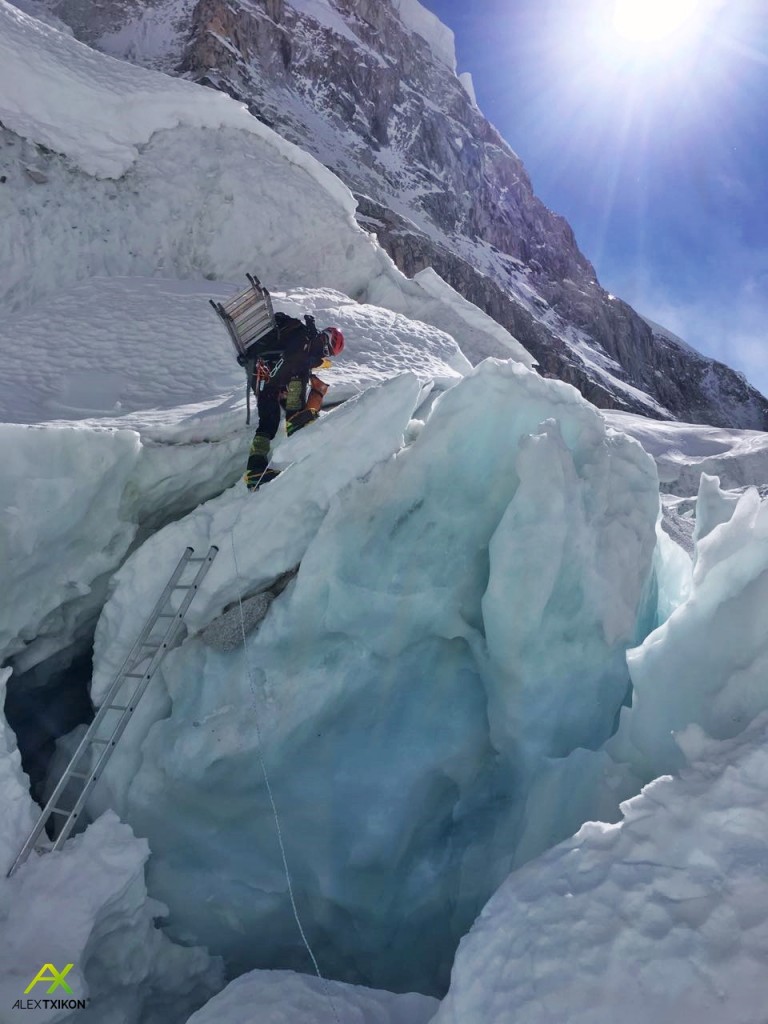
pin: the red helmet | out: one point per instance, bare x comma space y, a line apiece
334, 342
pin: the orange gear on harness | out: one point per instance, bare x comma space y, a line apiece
317, 392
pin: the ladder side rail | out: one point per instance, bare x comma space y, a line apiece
133, 655
228, 324
166, 643
101, 713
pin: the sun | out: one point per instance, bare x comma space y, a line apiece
649, 21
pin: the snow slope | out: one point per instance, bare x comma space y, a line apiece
200, 188
149, 354
683, 451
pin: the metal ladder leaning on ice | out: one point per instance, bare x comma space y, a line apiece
84, 770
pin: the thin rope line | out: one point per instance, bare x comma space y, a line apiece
268, 785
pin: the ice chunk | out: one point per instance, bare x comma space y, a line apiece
707, 664
713, 506
64, 524
281, 996
663, 917
371, 677
18, 810
87, 905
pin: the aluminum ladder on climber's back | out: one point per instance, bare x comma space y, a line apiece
110, 721
249, 319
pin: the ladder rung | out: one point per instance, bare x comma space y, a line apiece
96, 739
60, 810
119, 707
80, 775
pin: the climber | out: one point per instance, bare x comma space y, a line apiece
282, 380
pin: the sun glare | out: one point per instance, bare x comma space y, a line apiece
652, 20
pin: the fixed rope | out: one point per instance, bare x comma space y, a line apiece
268, 785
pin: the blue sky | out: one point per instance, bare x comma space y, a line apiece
655, 152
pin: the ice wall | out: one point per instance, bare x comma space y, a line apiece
708, 663
402, 682
663, 917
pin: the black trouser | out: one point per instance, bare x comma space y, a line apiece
269, 400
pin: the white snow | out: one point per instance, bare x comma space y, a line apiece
660, 919
187, 184
96, 110
708, 663
466, 80
283, 997
150, 354
87, 905
424, 23
683, 451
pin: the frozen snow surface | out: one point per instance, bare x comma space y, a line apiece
88, 906
661, 919
282, 997
151, 355
201, 189
424, 23
683, 451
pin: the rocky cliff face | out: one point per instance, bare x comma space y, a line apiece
369, 87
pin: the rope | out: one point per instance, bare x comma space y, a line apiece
275, 815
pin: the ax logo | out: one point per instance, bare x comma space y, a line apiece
49, 973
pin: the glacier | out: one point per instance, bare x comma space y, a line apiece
467, 633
